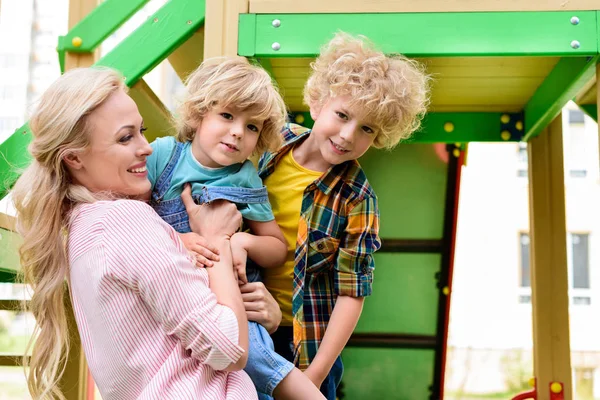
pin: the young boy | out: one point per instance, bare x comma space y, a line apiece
358, 98
232, 110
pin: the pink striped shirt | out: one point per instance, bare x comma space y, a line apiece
150, 326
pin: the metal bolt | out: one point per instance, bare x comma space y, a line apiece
275, 46
574, 20
155, 19
276, 23
575, 44
77, 41
189, 22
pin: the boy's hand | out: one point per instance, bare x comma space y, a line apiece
239, 255
315, 375
203, 252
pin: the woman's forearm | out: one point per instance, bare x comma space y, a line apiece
223, 284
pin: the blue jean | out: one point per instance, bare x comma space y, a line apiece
283, 340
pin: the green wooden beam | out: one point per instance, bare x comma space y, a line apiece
91, 31
591, 110
561, 85
456, 127
135, 56
155, 39
14, 158
425, 34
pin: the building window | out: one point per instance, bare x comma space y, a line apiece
578, 263
576, 145
522, 160
576, 117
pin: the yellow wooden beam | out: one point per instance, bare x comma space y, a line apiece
221, 26
549, 275
361, 6
7, 222
156, 116
77, 10
189, 55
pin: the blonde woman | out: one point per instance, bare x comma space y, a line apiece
152, 325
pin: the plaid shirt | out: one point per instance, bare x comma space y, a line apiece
337, 236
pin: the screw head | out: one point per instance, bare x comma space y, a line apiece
275, 46
155, 20
574, 20
519, 125
276, 23
575, 44
77, 41
505, 118
505, 135
449, 127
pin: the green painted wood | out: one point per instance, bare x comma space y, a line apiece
387, 374
427, 34
14, 157
95, 27
591, 110
562, 84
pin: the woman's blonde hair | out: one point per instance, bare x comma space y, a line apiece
233, 82
43, 197
392, 90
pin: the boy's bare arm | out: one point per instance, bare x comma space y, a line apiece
344, 318
266, 246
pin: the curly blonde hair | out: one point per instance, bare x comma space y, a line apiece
392, 90
233, 82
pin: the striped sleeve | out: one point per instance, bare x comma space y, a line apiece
353, 272
145, 253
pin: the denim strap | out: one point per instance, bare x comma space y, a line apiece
164, 181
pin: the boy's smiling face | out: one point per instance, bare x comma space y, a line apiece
341, 133
225, 136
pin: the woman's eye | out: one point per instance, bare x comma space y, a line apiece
341, 115
125, 138
227, 116
143, 129
253, 128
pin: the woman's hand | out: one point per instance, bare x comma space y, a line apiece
260, 306
217, 219
204, 253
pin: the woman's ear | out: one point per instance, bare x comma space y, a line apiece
73, 161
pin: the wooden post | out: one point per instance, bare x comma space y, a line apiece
74, 381
221, 27
549, 275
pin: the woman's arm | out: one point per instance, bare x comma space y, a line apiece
146, 254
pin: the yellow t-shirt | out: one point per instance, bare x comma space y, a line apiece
286, 188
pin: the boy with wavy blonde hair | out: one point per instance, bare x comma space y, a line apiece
231, 111
358, 98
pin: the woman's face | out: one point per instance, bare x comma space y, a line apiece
115, 160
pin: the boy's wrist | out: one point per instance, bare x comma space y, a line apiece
241, 239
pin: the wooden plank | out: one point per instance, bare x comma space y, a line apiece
189, 55
361, 6
7, 222
77, 10
221, 26
157, 117
549, 274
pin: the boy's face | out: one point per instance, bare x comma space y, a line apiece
341, 132
225, 136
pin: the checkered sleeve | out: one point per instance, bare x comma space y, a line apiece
353, 273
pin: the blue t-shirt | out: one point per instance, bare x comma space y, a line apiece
189, 170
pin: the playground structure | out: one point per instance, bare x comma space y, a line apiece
503, 71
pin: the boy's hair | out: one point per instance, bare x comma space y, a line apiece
393, 90
232, 82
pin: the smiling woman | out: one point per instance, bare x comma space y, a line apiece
151, 324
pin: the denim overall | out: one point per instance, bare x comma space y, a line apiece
265, 367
